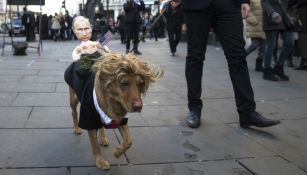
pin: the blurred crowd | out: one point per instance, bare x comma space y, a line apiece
277, 29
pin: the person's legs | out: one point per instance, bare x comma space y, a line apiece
271, 44
171, 41
136, 31
177, 38
198, 24
255, 43
287, 47
286, 51
229, 28
129, 37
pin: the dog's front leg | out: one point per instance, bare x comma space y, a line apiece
125, 133
100, 162
103, 140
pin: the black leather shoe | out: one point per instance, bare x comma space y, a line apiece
255, 119
193, 119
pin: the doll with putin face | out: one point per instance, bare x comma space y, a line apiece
83, 29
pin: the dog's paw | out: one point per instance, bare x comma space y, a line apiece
102, 164
104, 141
118, 151
77, 131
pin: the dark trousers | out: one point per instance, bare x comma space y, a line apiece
257, 43
123, 37
28, 32
173, 39
225, 18
272, 43
133, 34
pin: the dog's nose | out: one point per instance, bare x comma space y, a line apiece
137, 106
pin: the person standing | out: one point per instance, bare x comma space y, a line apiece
121, 27
255, 32
26, 22
56, 26
301, 7
133, 23
274, 16
225, 17
174, 21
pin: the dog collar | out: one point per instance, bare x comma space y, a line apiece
103, 116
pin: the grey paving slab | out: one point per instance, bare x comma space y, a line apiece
42, 148
41, 99
136, 119
62, 87
50, 117
27, 87
279, 92
157, 98
51, 72
173, 144
18, 72
10, 78
6, 98
271, 165
11, 117
293, 108
34, 171
38, 65
195, 168
44, 78
287, 140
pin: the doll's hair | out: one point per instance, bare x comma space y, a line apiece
79, 19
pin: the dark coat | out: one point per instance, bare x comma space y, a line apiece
174, 18
302, 12
203, 4
302, 31
132, 11
270, 6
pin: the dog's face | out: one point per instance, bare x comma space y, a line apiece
124, 78
128, 92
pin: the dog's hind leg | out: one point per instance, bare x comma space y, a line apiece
73, 104
102, 138
125, 133
100, 162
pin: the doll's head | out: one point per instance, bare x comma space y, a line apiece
82, 28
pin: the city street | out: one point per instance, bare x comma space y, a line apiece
36, 134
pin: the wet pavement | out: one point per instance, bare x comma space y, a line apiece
36, 135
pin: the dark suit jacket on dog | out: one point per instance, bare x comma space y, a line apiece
82, 82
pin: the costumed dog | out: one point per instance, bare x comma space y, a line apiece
107, 87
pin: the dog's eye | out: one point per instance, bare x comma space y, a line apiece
142, 86
124, 85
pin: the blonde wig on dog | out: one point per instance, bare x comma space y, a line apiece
114, 66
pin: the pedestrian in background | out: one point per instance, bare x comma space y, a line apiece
274, 16
120, 24
255, 33
56, 26
301, 8
225, 17
174, 21
133, 23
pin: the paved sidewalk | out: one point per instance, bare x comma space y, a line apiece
36, 136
